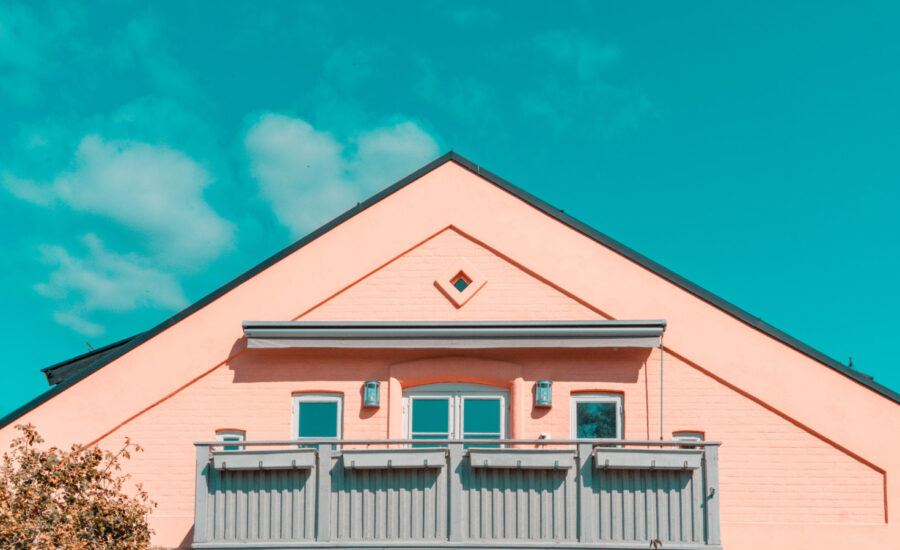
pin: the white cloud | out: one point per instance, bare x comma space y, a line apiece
102, 280
309, 176
152, 189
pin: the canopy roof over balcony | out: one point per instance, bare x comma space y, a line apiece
455, 335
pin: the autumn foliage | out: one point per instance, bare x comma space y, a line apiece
75, 499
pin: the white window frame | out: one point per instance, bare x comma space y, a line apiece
240, 434
298, 398
614, 398
456, 395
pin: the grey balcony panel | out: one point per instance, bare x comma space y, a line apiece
641, 505
458, 504
264, 460
518, 505
648, 459
405, 504
529, 459
393, 458
260, 505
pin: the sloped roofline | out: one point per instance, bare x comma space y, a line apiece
122, 347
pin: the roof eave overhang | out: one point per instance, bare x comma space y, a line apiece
454, 335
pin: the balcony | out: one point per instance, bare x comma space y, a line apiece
387, 494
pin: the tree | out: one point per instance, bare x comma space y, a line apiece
71, 499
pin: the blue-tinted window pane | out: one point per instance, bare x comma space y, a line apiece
481, 415
430, 415
318, 419
596, 420
460, 284
231, 447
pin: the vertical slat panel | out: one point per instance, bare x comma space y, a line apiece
615, 504
571, 505
696, 505
429, 501
662, 504
381, 500
674, 506
640, 506
274, 504
211, 502
685, 510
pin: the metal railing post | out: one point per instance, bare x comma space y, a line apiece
323, 493
711, 496
201, 494
454, 490
586, 520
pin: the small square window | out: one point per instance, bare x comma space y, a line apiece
460, 282
596, 416
317, 416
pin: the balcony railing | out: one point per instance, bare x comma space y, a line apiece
386, 493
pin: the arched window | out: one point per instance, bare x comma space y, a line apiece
456, 411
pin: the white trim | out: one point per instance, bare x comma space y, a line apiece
456, 394
597, 398
298, 398
241, 435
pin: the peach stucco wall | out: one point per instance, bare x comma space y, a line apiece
809, 457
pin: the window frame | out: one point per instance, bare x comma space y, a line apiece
316, 397
616, 398
456, 394
222, 434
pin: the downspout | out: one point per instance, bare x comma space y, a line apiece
662, 352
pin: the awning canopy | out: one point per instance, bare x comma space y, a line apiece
454, 335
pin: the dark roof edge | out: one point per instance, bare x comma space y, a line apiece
90, 353
500, 182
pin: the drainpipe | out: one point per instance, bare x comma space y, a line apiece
662, 351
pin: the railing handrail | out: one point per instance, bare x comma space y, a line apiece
543, 442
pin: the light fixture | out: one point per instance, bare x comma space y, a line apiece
371, 393
543, 396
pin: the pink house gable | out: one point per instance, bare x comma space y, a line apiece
810, 456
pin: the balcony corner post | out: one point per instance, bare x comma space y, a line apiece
712, 495
586, 518
323, 493
455, 472
201, 494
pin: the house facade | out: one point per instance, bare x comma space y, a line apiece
455, 363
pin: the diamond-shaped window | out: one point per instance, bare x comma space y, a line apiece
460, 282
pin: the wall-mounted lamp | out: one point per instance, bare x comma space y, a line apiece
371, 393
543, 396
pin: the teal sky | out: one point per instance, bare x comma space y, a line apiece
150, 153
